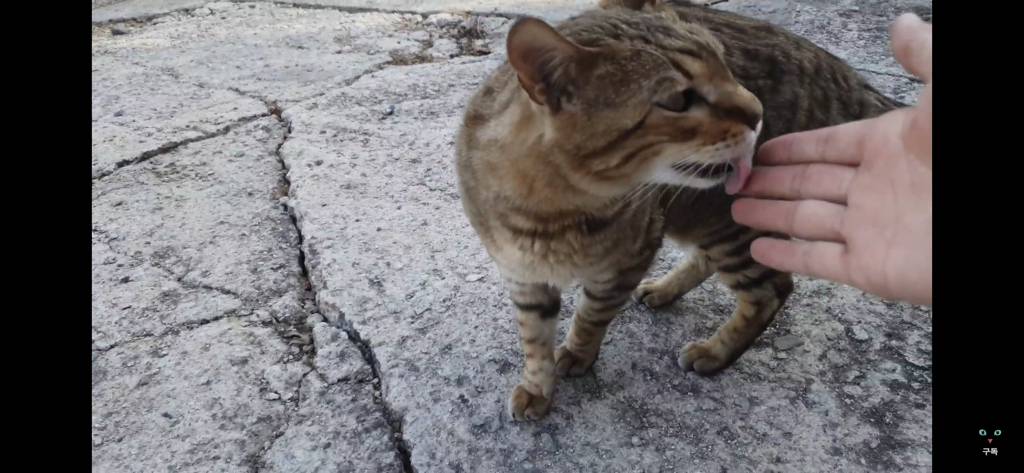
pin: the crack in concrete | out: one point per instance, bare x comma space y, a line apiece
171, 330
889, 74
402, 451
274, 109
256, 461
392, 420
173, 145
141, 19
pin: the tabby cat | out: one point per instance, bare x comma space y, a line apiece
620, 126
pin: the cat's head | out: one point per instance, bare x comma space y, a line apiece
625, 115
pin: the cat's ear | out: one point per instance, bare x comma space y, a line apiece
630, 4
544, 60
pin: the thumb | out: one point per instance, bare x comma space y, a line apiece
912, 45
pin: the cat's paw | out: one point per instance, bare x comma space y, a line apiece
524, 405
654, 294
571, 364
700, 357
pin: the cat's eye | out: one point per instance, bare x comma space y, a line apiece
982, 432
997, 433
681, 101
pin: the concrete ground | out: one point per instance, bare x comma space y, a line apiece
283, 278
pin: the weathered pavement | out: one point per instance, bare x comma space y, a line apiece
284, 281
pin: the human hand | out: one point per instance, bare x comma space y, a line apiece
858, 196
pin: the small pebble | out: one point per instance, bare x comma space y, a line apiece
547, 442
635, 440
115, 31
389, 111
474, 277
97, 441
119, 113
124, 279
314, 319
144, 380
271, 396
858, 333
787, 342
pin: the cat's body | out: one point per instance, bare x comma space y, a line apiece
561, 147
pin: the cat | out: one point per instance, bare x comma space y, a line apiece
625, 124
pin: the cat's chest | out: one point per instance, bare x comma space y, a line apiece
581, 253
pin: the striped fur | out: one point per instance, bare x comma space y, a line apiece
572, 169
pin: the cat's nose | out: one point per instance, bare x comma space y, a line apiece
751, 118
744, 108
746, 115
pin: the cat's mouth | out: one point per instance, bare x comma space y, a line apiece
704, 171
734, 173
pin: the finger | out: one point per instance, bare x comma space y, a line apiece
813, 258
805, 219
840, 144
912, 45
828, 182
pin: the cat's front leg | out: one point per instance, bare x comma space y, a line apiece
602, 301
537, 307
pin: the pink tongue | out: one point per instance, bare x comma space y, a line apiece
738, 177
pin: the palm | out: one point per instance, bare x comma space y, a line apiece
858, 195
888, 214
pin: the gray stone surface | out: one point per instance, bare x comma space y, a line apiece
186, 402
551, 9
387, 343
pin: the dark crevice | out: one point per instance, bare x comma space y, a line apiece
394, 423
393, 420
168, 147
191, 285
172, 330
138, 20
